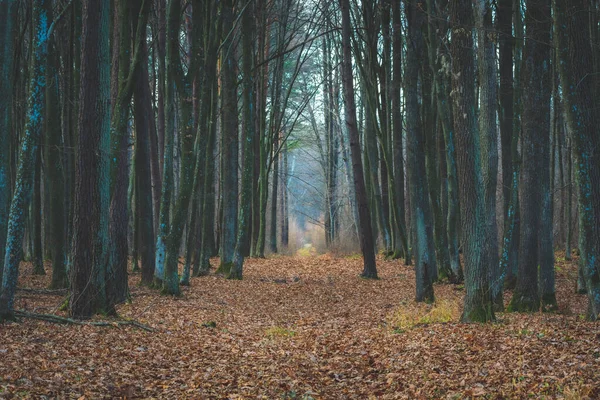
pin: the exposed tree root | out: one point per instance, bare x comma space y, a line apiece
43, 291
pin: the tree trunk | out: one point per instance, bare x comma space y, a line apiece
418, 188
489, 142
535, 170
478, 303
144, 117
248, 142
8, 12
88, 290
229, 143
366, 235
576, 64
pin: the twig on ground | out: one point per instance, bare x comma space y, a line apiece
62, 320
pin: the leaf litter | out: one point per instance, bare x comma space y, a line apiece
302, 328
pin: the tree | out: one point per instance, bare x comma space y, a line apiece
478, 302
27, 160
365, 230
576, 64
245, 208
488, 90
88, 273
535, 169
144, 117
229, 141
53, 152
8, 10
425, 262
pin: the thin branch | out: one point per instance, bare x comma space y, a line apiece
62, 320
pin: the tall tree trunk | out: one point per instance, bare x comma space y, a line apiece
536, 75
486, 50
88, 285
510, 242
478, 301
55, 172
128, 69
366, 234
576, 64
418, 188
229, 142
399, 217
27, 160
8, 12
248, 144
144, 117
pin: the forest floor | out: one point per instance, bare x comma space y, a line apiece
305, 328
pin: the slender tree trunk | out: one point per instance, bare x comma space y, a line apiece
418, 188
55, 172
144, 117
27, 161
486, 50
366, 235
8, 12
37, 256
229, 143
248, 142
397, 148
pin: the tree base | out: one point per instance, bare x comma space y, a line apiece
549, 303
7, 316
498, 303
510, 283
224, 269
523, 303
369, 275
59, 282
234, 275
479, 314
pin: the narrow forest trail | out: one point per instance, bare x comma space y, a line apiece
300, 327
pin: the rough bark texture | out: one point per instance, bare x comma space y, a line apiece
87, 283
478, 302
536, 75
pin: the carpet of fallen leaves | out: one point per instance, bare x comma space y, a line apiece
305, 328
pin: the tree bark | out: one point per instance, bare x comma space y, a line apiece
88, 290
366, 235
478, 303
535, 169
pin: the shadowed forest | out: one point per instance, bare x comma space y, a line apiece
300, 199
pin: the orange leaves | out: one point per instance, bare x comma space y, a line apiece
302, 328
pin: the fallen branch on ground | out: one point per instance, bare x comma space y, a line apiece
43, 291
62, 320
